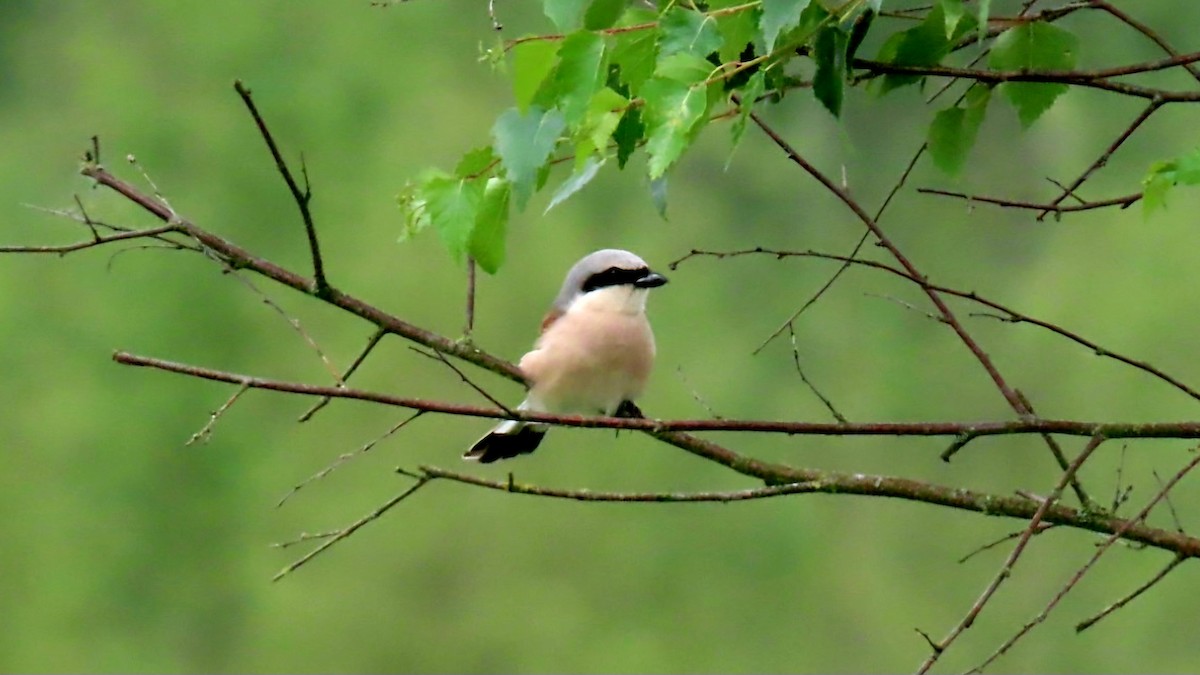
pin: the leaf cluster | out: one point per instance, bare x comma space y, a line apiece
618, 80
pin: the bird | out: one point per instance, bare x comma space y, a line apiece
594, 353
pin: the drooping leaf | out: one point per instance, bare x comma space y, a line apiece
858, 33
953, 12
415, 209
453, 204
524, 143
475, 162
658, 195
1183, 170
985, 7
603, 14
689, 32
672, 110
567, 15
579, 73
829, 51
925, 44
532, 62
629, 133
634, 52
488, 237
603, 116
1033, 46
779, 16
575, 182
683, 67
737, 30
749, 95
953, 131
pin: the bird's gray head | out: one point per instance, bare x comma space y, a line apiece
604, 268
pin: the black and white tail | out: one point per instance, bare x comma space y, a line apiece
507, 440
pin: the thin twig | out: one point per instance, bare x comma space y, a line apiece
812, 387
1092, 620
1100, 550
349, 529
1006, 569
583, 495
347, 456
301, 197
205, 432
371, 342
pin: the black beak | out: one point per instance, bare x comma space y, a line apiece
651, 280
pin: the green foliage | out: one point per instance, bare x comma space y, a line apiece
779, 16
617, 80
830, 79
1183, 170
524, 143
673, 109
953, 131
1031, 47
685, 31
925, 44
532, 62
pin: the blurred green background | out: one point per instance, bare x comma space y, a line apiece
123, 550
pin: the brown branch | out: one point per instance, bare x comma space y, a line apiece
1091, 621
1177, 430
584, 495
1101, 549
1144, 30
1055, 208
371, 342
1079, 78
779, 474
1102, 160
1035, 525
240, 258
1018, 404
301, 197
1010, 315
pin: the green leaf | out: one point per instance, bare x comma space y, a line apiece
858, 33
672, 109
1183, 170
579, 74
603, 14
953, 12
658, 194
567, 15
603, 116
575, 182
687, 31
750, 93
779, 16
1033, 46
414, 207
634, 53
737, 30
684, 67
923, 45
532, 62
829, 82
984, 10
953, 131
875, 5
453, 204
488, 237
475, 162
524, 143
629, 133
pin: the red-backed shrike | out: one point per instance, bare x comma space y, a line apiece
595, 351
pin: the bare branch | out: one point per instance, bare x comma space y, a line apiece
371, 342
301, 197
584, 495
1034, 527
1091, 621
1116, 535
